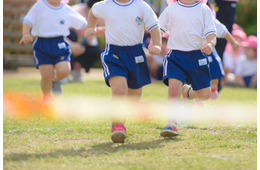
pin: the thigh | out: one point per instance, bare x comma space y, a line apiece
175, 84
118, 85
204, 93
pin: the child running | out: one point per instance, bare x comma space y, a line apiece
50, 21
124, 62
192, 37
215, 63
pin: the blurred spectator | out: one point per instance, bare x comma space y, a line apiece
232, 56
246, 71
85, 52
226, 14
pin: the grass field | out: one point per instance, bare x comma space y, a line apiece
42, 143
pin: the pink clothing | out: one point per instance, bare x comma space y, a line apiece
237, 32
251, 41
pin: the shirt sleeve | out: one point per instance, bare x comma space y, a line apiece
149, 17
221, 29
164, 21
98, 9
209, 25
30, 17
77, 21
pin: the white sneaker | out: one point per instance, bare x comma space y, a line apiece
185, 89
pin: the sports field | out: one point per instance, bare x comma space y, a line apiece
34, 139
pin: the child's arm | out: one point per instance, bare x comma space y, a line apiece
91, 29
232, 41
222, 32
27, 37
211, 41
156, 41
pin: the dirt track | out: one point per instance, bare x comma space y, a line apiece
32, 72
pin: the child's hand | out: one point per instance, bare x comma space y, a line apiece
89, 32
235, 45
27, 38
207, 48
101, 31
154, 49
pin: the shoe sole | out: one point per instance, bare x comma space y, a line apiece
169, 133
118, 137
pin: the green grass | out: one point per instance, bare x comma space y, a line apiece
41, 143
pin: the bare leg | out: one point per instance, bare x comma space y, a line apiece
119, 88
175, 88
62, 70
135, 93
46, 78
202, 94
214, 82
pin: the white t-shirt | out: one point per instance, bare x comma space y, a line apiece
125, 23
246, 67
221, 29
188, 25
230, 62
49, 21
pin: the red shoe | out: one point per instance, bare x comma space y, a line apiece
47, 100
214, 93
118, 133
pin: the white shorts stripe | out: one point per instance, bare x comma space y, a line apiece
106, 70
165, 64
34, 53
35, 58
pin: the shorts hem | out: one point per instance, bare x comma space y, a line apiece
139, 85
201, 87
107, 78
166, 82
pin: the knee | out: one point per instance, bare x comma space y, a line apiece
62, 73
47, 77
119, 90
204, 96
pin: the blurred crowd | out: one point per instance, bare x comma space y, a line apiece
240, 64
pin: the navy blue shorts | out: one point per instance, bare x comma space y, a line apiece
50, 50
189, 67
127, 61
215, 65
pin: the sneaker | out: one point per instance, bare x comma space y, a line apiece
118, 133
170, 130
214, 93
56, 88
65, 80
185, 89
